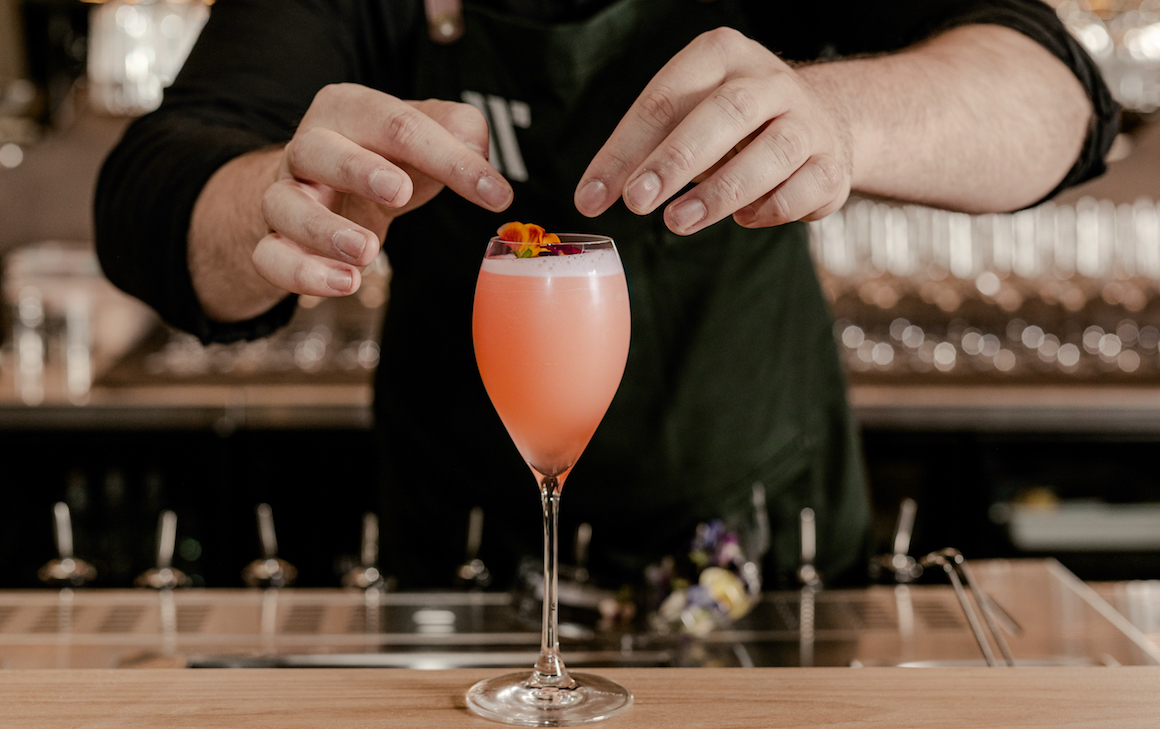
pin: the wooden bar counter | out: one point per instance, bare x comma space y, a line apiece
898, 698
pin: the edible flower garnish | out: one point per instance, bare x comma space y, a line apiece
528, 240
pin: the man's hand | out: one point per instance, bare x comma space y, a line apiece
727, 113
306, 218
360, 159
979, 118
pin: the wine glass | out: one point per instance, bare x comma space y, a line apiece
551, 331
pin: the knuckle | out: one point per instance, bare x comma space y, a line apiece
300, 278
828, 174
616, 161
723, 37
294, 152
461, 167
331, 94
729, 190
657, 108
786, 144
469, 119
738, 101
318, 232
270, 199
350, 165
778, 209
402, 127
682, 158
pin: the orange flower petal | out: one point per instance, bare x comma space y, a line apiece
514, 232
532, 239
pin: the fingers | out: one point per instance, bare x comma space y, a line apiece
292, 267
403, 133
324, 156
358, 159
814, 191
707, 134
728, 115
768, 160
292, 210
689, 115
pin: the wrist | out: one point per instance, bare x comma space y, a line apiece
834, 85
225, 227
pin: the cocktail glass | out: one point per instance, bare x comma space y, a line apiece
551, 338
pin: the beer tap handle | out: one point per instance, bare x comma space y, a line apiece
166, 539
583, 542
164, 576
905, 568
266, 532
66, 569
62, 530
367, 575
269, 571
474, 533
905, 527
473, 572
370, 540
808, 573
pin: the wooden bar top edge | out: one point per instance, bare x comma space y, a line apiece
899, 698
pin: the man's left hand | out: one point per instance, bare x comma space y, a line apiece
730, 115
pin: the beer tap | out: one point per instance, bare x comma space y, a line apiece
582, 545
905, 568
164, 576
811, 583
367, 575
269, 570
807, 572
67, 569
473, 572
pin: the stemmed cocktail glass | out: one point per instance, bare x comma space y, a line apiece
551, 330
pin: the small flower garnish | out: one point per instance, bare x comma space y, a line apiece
528, 240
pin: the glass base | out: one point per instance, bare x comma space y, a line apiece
511, 700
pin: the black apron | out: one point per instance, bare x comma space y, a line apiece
732, 377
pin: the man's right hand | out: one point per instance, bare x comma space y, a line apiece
359, 159
318, 209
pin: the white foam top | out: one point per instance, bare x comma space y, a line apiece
601, 262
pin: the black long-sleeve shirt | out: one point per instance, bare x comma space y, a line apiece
259, 63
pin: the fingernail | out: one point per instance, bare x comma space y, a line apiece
687, 213
591, 197
351, 243
493, 193
745, 216
385, 185
340, 281
642, 192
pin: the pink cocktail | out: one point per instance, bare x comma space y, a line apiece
551, 338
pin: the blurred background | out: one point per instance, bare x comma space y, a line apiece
1005, 369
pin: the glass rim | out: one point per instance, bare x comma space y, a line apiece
583, 240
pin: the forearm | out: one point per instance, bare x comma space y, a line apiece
226, 226
980, 118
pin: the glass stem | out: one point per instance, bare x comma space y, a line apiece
550, 670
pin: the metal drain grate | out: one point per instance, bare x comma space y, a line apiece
50, 619
6, 612
191, 618
358, 620
304, 619
938, 613
871, 614
121, 619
